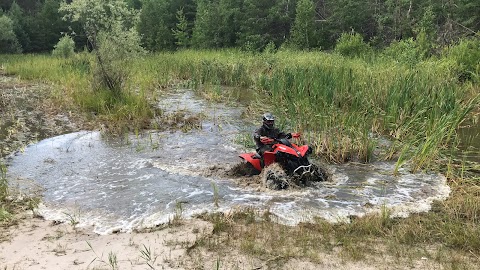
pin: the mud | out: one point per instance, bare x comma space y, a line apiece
247, 177
28, 114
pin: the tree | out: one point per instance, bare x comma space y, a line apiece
8, 40
263, 22
20, 25
65, 47
180, 32
110, 27
50, 24
303, 30
356, 15
204, 31
156, 24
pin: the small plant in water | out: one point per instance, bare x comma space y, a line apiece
3, 182
215, 194
73, 219
177, 217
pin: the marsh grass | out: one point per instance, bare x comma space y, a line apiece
216, 195
3, 181
73, 218
10, 200
71, 87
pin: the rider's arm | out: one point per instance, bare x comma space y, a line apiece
257, 136
284, 135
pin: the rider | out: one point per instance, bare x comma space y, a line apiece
263, 136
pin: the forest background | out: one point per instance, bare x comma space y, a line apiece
33, 26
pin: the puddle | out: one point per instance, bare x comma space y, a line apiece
137, 182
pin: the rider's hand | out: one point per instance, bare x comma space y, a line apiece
296, 135
265, 140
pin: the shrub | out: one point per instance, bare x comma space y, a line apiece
405, 51
352, 45
65, 47
8, 39
466, 55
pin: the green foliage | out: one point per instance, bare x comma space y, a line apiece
3, 182
303, 30
111, 31
20, 25
65, 47
466, 55
8, 39
405, 51
181, 31
352, 45
156, 24
262, 22
205, 26
50, 24
348, 15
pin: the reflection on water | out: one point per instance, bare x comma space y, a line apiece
136, 183
470, 143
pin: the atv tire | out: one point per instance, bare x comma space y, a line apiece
275, 178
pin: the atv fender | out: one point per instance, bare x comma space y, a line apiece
304, 150
250, 158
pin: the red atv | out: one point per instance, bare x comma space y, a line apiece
293, 160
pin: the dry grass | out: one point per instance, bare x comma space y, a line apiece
449, 235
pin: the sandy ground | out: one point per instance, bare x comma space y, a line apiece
39, 244
35, 243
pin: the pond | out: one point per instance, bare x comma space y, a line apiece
140, 181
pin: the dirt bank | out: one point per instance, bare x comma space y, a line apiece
28, 114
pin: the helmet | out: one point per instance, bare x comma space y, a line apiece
268, 120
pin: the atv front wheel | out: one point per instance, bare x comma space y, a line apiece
275, 178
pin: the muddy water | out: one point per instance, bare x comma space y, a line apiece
142, 181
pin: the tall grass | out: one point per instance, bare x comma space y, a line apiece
342, 105
3, 182
71, 82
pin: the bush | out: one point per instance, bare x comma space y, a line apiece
405, 51
352, 45
466, 55
65, 47
8, 39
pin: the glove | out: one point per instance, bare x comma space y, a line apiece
266, 140
296, 135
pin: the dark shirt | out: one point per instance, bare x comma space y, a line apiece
273, 133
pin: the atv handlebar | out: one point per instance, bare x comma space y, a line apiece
296, 135
267, 140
